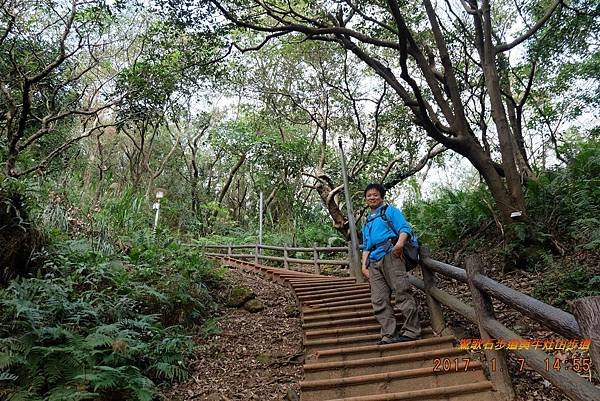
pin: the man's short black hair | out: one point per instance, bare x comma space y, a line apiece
380, 188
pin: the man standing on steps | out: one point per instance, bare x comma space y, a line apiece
385, 234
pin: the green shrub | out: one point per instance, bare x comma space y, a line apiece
444, 220
103, 328
563, 284
566, 200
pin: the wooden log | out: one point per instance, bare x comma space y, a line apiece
235, 255
325, 249
332, 249
248, 246
298, 261
484, 309
568, 382
444, 298
555, 319
587, 313
438, 323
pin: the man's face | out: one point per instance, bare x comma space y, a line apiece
374, 199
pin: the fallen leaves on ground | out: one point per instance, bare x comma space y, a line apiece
256, 356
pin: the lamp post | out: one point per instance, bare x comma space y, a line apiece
260, 222
160, 193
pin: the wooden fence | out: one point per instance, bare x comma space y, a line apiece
258, 255
482, 290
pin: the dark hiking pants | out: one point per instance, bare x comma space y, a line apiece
386, 276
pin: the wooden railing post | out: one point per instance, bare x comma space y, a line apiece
587, 314
229, 250
286, 264
256, 253
438, 323
316, 259
484, 310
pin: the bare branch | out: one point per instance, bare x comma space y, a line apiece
531, 31
266, 40
399, 177
56, 152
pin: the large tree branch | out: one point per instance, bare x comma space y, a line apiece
289, 27
531, 31
46, 121
399, 177
459, 123
56, 152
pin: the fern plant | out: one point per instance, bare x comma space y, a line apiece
102, 329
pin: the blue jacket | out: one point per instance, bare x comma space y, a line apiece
376, 231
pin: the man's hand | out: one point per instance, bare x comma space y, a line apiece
398, 250
365, 272
399, 246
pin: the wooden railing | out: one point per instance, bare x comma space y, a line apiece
258, 255
483, 289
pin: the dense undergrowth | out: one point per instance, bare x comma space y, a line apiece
96, 326
563, 206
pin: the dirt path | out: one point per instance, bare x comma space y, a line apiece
256, 356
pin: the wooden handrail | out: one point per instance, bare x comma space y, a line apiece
332, 249
282, 259
570, 383
555, 319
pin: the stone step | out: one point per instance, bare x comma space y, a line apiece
480, 391
390, 381
346, 349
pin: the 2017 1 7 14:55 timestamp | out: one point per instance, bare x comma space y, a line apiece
579, 365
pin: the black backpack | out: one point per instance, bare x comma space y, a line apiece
410, 250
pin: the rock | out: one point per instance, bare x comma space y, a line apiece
214, 397
254, 305
291, 395
239, 296
264, 359
291, 311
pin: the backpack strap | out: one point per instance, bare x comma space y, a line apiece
388, 222
386, 219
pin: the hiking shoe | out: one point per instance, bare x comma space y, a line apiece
394, 340
402, 339
386, 340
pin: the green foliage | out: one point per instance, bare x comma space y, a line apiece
564, 203
98, 327
562, 284
567, 200
446, 219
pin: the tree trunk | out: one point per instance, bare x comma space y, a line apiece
492, 83
232, 173
339, 221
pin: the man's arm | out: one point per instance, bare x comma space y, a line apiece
401, 226
399, 246
365, 258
